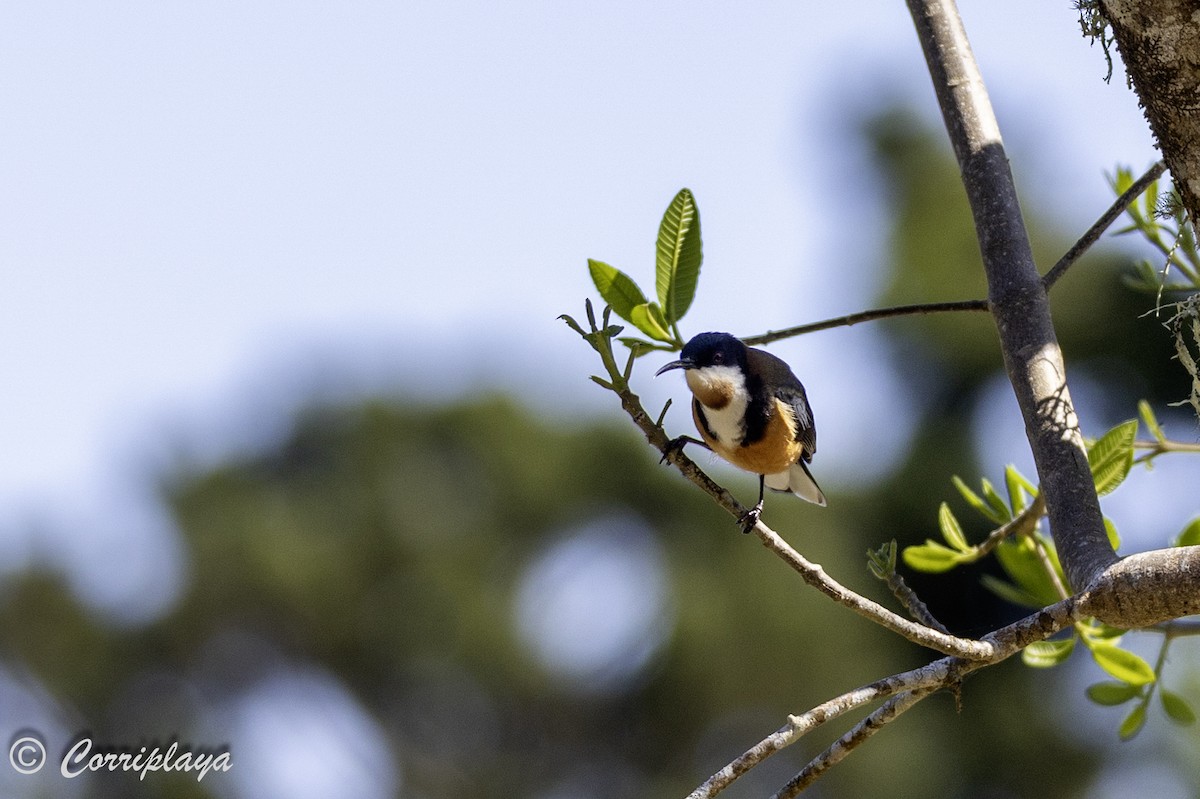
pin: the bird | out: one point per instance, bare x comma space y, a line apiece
751, 410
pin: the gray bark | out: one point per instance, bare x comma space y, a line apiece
1159, 41
1016, 296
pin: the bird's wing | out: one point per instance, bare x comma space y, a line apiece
789, 390
806, 430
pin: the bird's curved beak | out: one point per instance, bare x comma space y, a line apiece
683, 363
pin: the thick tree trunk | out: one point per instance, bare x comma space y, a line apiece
1159, 42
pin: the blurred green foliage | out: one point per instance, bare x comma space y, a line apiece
385, 544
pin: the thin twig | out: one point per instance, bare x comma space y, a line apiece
945, 672
867, 316
930, 676
1177, 628
1085, 242
1024, 523
1021, 524
1043, 556
1102, 224
843, 746
915, 606
816, 577
1162, 447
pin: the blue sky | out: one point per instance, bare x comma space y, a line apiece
211, 210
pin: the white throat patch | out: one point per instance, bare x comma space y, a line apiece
727, 422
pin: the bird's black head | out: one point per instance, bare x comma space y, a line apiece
709, 349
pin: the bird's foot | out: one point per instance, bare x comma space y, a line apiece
750, 518
677, 445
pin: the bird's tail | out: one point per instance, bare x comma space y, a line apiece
799, 480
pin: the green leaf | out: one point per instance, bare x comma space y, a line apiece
1018, 486
1020, 561
1122, 664
1009, 592
678, 256
1099, 631
1177, 708
951, 529
1190, 535
1110, 529
989, 493
1150, 198
1111, 456
641, 346
648, 318
931, 557
1149, 419
616, 288
571, 323
1112, 693
1016, 494
975, 501
1143, 278
1133, 723
882, 561
1044, 654
1122, 180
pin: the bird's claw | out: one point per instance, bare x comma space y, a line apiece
750, 518
673, 446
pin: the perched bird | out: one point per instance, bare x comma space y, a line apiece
752, 411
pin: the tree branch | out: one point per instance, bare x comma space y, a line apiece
1021, 524
1102, 224
907, 597
1142, 590
1161, 447
1069, 258
815, 576
927, 677
867, 316
857, 735
1146, 588
1016, 295
916, 684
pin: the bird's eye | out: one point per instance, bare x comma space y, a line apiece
718, 357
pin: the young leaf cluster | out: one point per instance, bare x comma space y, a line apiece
1131, 675
678, 254
1017, 512
1140, 684
1186, 327
1029, 559
600, 336
1162, 220
1026, 554
1035, 578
